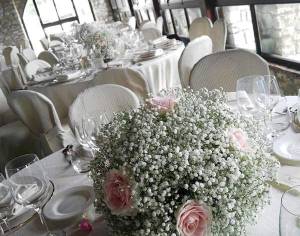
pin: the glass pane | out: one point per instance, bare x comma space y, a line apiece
169, 22
239, 26
84, 11
193, 13
47, 11
64, 8
180, 22
68, 26
33, 26
279, 29
53, 30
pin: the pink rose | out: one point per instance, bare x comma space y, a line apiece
239, 138
193, 219
162, 104
85, 225
118, 193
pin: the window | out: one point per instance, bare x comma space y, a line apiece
239, 26
45, 17
269, 26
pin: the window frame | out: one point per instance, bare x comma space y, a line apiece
60, 21
251, 3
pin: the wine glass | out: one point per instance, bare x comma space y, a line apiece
6, 202
29, 183
289, 219
92, 125
246, 92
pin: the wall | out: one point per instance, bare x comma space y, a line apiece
10, 25
12, 31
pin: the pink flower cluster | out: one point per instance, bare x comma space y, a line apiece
162, 104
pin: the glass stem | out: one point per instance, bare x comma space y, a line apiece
43, 221
6, 224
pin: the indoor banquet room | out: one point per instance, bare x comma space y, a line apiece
150, 117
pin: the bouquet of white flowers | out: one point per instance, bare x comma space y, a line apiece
103, 44
182, 164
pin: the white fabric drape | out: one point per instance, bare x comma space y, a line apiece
223, 69
193, 52
108, 99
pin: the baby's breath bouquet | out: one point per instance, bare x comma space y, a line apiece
182, 164
103, 44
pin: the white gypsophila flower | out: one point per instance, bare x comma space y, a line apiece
182, 154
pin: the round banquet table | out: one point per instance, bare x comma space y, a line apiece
63, 177
159, 73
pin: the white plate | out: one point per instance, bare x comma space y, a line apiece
287, 149
66, 207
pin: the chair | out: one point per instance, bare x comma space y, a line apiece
217, 31
10, 55
108, 99
132, 23
159, 24
45, 43
48, 57
147, 25
193, 52
29, 54
57, 38
38, 113
33, 67
151, 33
224, 68
126, 77
22, 64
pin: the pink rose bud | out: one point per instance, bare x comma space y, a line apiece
193, 219
118, 193
239, 138
162, 104
85, 225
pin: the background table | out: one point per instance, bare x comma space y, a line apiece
63, 177
159, 73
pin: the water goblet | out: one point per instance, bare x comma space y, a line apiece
289, 219
6, 202
30, 184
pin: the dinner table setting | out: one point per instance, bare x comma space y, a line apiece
184, 163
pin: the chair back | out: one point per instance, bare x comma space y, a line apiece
193, 52
108, 99
159, 24
224, 68
33, 67
217, 31
48, 57
132, 23
35, 110
10, 55
29, 54
147, 25
45, 43
151, 33
125, 77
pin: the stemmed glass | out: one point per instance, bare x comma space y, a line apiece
6, 202
29, 183
289, 219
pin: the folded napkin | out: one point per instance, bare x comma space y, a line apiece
69, 76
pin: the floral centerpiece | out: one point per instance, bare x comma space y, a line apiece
187, 166
103, 44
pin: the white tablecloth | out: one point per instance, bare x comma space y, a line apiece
63, 176
159, 73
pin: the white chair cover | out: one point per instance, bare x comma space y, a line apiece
159, 24
224, 68
193, 52
45, 43
217, 31
151, 33
108, 99
29, 54
34, 66
11, 80
20, 73
132, 23
48, 57
125, 77
10, 55
147, 25
57, 38
38, 113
